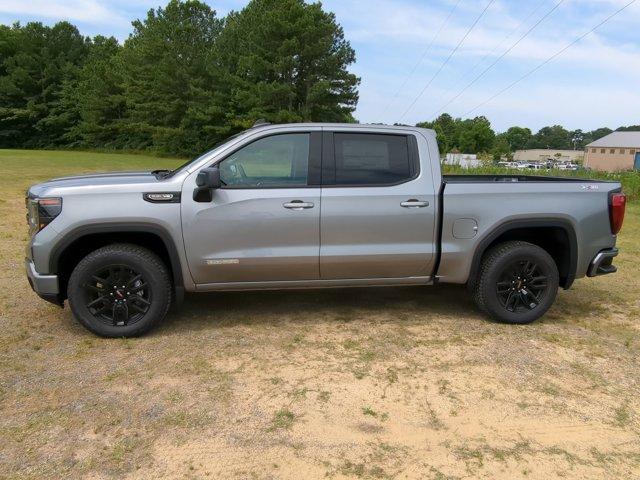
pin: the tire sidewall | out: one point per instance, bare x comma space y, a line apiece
152, 275
494, 271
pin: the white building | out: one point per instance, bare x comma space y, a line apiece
464, 160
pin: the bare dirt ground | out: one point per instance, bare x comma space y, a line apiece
370, 383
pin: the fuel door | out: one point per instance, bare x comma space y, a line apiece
465, 228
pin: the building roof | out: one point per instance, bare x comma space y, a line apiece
618, 139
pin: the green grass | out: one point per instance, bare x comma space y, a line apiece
27, 166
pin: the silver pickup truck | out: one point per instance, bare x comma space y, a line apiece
307, 206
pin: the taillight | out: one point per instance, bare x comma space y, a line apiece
616, 211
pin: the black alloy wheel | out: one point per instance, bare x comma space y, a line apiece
120, 290
521, 286
518, 282
117, 295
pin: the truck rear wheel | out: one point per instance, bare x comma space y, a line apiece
120, 290
518, 282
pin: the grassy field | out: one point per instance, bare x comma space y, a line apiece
391, 383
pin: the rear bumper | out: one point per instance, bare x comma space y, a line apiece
46, 286
602, 264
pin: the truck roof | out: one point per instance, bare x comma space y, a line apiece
354, 126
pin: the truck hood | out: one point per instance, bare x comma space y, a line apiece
94, 180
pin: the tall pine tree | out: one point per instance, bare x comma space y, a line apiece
286, 61
169, 88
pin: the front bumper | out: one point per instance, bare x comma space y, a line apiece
46, 286
602, 264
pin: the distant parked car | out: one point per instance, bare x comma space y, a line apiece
537, 166
568, 166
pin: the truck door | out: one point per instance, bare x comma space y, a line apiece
264, 223
378, 207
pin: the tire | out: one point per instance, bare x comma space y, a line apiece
120, 290
518, 282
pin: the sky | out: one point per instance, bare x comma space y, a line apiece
403, 50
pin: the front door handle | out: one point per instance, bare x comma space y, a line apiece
298, 205
413, 203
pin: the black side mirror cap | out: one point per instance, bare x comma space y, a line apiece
209, 178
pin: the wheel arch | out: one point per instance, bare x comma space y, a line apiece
79, 242
556, 236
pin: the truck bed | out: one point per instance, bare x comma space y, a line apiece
485, 203
514, 179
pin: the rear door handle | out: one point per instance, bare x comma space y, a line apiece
298, 205
413, 203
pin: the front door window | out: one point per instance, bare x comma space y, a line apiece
277, 161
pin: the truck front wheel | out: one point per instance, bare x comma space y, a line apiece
518, 282
120, 290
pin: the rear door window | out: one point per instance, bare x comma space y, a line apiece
370, 159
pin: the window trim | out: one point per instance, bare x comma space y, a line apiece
313, 165
329, 159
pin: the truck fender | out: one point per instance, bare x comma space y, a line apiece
126, 227
508, 225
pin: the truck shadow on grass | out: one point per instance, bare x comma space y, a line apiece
388, 304
415, 304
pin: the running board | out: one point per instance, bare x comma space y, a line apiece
305, 284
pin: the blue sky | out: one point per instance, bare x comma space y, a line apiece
595, 83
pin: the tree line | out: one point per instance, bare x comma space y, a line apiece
185, 79
475, 135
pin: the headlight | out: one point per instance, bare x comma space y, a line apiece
41, 212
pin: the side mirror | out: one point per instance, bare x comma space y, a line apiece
207, 180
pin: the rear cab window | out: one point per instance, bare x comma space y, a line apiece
369, 159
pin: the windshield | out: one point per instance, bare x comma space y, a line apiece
215, 147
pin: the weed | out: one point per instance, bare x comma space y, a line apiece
622, 415
369, 411
282, 419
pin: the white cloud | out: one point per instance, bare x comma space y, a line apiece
90, 11
602, 62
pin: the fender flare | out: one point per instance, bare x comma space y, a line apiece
127, 227
505, 227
